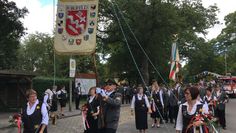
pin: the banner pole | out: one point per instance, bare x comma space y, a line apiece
95, 68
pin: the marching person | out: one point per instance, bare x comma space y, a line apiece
111, 104
53, 109
210, 99
62, 96
188, 110
157, 104
141, 107
34, 114
92, 112
222, 99
47, 99
173, 105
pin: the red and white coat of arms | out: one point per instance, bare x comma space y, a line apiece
76, 22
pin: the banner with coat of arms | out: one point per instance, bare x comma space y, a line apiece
76, 27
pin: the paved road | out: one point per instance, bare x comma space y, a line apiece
74, 124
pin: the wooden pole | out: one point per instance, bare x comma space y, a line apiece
95, 68
70, 96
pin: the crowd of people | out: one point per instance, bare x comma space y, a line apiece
178, 104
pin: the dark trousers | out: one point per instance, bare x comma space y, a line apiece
173, 112
128, 99
221, 116
77, 101
108, 130
166, 113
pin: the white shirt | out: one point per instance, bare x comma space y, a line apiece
209, 98
179, 122
59, 92
140, 98
44, 112
91, 98
109, 93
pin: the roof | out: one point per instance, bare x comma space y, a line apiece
14, 73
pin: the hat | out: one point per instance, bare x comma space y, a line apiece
111, 81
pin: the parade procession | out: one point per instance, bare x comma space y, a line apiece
117, 66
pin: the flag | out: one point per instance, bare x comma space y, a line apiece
72, 68
174, 62
76, 27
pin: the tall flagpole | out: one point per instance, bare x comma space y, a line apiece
54, 56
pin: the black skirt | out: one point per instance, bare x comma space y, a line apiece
158, 112
93, 125
62, 102
54, 106
141, 119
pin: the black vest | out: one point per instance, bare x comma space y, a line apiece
32, 123
140, 104
157, 99
187, 118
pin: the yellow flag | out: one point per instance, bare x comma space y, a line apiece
76, 27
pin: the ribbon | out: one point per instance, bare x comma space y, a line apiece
19, 124
153, 106
85, 121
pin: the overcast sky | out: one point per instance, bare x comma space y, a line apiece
40, 17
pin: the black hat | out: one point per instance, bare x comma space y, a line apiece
111, 81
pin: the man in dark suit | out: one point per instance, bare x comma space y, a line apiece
222, 99
111, 107
78, 94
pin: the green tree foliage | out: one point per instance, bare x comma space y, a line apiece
36, 55
225, 43
154, 26
11, 30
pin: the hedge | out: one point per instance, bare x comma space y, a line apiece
40, 84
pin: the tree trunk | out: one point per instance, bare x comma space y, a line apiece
144, 69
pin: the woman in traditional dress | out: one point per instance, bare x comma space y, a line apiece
34, 114
62, 96
91, 121
141, 107
210, 100
53, 109
188, 110
157, 104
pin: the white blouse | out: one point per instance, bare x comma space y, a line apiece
44, 112
179, 122
140, 98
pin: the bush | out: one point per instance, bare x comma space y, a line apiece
40, 84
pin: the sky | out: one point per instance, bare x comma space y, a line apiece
40, 16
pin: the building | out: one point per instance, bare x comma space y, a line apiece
13, 85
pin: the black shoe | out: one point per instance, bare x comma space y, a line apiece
224, 128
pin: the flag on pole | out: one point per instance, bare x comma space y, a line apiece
174, 62
76, 27
72, 68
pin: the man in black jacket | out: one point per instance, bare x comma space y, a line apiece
111, 107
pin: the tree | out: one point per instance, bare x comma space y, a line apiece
225, 43
154, 26
36, 55
11, 31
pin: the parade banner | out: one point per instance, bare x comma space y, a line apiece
174, 62
76, 27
